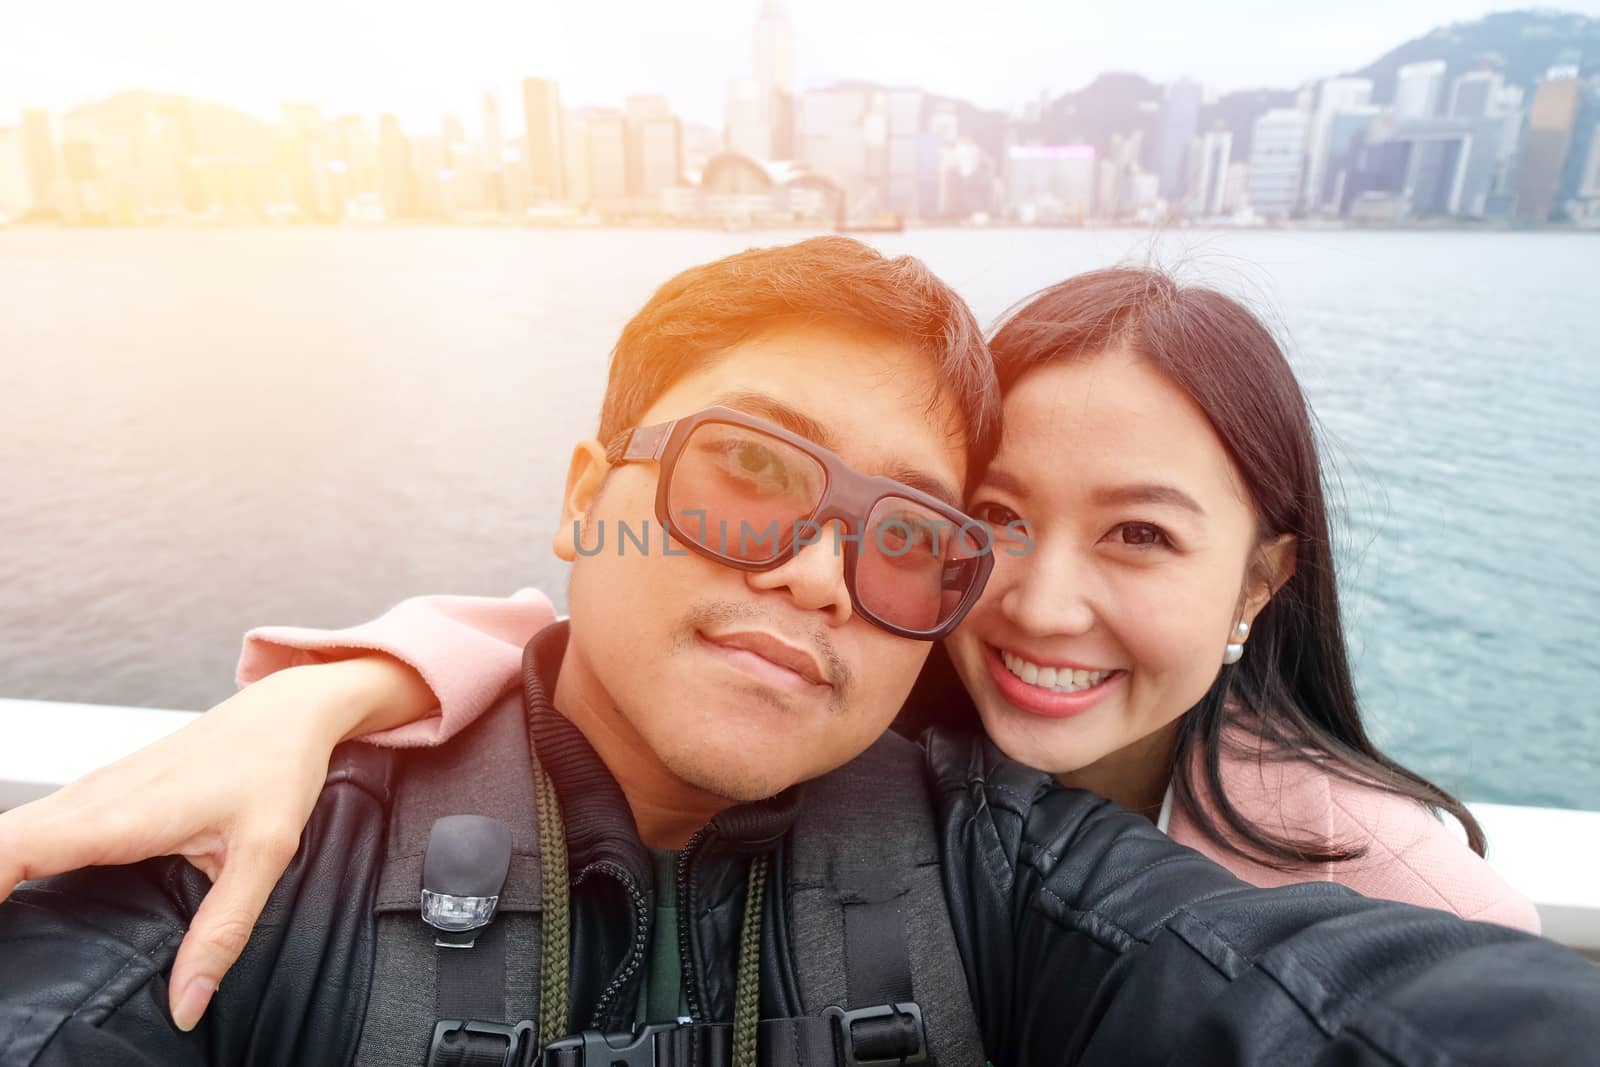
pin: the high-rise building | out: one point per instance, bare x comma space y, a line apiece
746, 131
16, 194
1277, 156
1180, 121
397, 181
1475, 94
772, 64
1418, 88
700, 143
494, 155
650, 111
773, 48
1545, 144
303, 161
575, 158
1051, 183
354, 150
1589, 188
608, 159
658, 147
832, 138
542, 132
494, 151
42, 161
1585, 124
1210, 157
429, 173
1347, 132
902, 112
1338, 94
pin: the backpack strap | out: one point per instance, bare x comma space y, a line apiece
477, 995
866, 886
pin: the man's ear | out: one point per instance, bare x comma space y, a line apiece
1272, 567
585, 474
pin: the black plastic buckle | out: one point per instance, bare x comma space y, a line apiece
844, 1022
593, 1048
453, 1032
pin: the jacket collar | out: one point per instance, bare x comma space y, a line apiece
599, 824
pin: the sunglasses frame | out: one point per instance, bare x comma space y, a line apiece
848, 496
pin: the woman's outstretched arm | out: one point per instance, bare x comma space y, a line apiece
232, 790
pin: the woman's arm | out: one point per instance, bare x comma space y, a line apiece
232, 790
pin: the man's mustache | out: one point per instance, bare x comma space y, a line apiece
720, 615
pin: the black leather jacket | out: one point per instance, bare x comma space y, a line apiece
1088, 937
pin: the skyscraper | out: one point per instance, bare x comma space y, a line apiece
542, 119
1545, 144
1474, 94
746, 131
1180, 120
16, 196
1277, 153
1338, 94
1418, 88
41, 161
494, 151
396, 178
658, 147
608, 159
1210, 157
772, 63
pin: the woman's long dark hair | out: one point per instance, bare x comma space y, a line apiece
1293, 688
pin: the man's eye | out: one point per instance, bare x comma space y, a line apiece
995, 515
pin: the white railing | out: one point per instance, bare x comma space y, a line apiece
1551, 855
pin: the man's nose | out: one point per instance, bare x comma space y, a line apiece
813, 577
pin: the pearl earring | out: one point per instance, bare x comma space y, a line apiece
1235, 650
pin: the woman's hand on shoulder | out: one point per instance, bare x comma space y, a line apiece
230, 792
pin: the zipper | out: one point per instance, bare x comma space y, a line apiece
641, 934
685, 910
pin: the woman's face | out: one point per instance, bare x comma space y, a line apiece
1084, 652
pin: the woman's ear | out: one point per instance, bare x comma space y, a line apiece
1272, 567
586, 473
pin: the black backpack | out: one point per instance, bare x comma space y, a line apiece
879, 973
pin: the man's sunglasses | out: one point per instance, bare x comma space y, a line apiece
747, 494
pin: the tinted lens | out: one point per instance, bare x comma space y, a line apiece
740, 493
916, 565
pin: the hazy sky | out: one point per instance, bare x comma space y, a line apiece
420, 60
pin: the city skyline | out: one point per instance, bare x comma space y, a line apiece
1490, 120
363, 59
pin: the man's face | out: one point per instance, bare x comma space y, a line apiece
691, 654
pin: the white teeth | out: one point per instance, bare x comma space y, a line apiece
1056, 679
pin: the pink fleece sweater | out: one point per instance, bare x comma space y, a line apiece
469, 651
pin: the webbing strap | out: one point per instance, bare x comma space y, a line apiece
889, 1035
471, 982
470, 986
877, 962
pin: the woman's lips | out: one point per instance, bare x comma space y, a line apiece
1044, 702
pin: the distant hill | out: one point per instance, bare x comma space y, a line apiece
207, 128
1522, 45
986, 127
1114, 103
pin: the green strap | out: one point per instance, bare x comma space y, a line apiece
555, 929
747, 993
556, 932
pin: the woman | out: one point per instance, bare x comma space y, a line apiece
1167, 633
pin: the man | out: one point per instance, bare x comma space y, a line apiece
706, 738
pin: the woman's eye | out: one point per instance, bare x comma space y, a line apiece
1141, 535
996, 515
